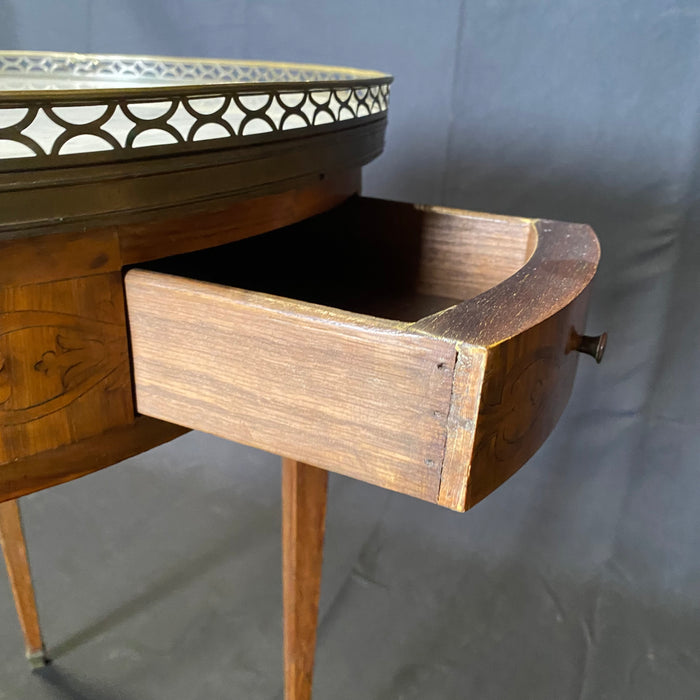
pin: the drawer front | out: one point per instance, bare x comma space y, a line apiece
424, 350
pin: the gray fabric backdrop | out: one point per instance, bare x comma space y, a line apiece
580, 577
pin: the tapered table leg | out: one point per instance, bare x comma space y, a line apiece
304, 491
15, 551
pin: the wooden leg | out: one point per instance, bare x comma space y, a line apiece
15, 551
303, 524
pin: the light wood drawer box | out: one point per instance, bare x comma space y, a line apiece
425, 350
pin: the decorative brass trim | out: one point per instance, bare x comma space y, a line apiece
165, 105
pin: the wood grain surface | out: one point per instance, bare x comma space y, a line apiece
211, 224
526, 386
304, 490
562, 265
342, 391
64, 365
15, 552
437, 251
461, 426
58, 257
52, 467
525, 326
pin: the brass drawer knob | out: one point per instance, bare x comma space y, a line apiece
593, 345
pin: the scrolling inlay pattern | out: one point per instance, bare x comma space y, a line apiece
75, 355
512, 408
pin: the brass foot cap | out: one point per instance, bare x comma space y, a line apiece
38, 659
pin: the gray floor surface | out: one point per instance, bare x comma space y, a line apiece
160, 579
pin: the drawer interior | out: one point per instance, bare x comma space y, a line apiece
385, 259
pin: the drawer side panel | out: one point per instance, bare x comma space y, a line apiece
349, 393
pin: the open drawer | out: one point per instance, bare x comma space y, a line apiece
426, 350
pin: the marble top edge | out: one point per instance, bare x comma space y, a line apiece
37, 72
